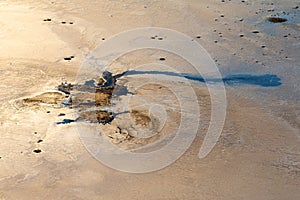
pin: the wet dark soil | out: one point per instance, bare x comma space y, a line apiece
93, 95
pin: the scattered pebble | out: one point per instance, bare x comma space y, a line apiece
63, 22
69, 58
276, 19
37, 151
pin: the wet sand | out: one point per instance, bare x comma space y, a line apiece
44, 43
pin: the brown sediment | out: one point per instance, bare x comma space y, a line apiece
88, 96
103, 96
102, 99
96, 116
101, 81
47, 98
140, 117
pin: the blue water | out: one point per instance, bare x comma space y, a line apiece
264, 80
66, 121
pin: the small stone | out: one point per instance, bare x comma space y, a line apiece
37, 151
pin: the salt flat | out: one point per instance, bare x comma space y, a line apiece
45, 43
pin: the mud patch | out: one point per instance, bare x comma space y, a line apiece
95, 102
46, 99
141, 117
97, 116
102, 98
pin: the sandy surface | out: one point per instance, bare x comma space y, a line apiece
258, 153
